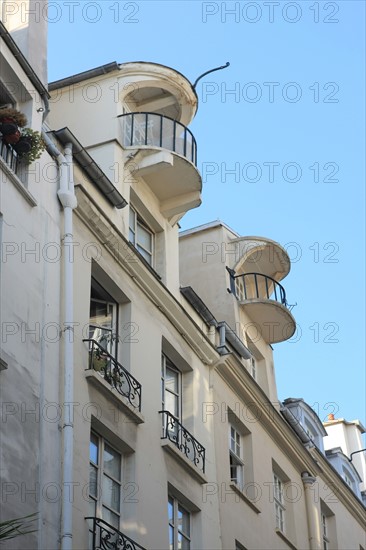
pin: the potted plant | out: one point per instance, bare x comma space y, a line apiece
30, 145
10, 122
101, 360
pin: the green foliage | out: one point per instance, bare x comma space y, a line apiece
37, 145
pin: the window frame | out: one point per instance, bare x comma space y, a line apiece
167, 363
235, 459
173, 524
325, 533
101, 472
280, 509
139, 222
111, 345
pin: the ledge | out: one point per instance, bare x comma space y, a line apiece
98, 381
283, 537
170, 448
17, 183
243, 496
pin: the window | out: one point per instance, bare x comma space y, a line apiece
103, 318
140, 236
279, 502
104, 480
236, 460
171, 388
179, 525
325, 532
348, 478
253, 368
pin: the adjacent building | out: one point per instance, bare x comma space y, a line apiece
139, 401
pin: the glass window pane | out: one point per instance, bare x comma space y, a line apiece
92, 508
171, 403
171, 380
170, 510
171, 538
93, 448
144, 237
145, 254
93, 480
183, 520
132, 219
131, 237
111, 493
110, 517
112, 462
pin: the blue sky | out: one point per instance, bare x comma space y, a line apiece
293, 132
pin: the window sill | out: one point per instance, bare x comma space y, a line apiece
170, 448
17, 183
98, 381
243, 496
283, 537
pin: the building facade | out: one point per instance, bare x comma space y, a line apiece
139, 401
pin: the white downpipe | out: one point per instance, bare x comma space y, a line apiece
66, 195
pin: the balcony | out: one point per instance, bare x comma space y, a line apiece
265, 302
8, 154
175, 432
104, 535
166, 159
114, 374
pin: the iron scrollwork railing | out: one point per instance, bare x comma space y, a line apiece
158, 131
107, 537
186, 443
249, 286
114, 373
8, 154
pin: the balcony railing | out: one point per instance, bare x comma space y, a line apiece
183, 440
114, 373
158, 131
251, 286
106, 537
8, 154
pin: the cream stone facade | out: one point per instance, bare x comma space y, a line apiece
139, 400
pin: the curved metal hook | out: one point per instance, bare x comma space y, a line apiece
210, 71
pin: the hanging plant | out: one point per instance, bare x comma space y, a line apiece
10, 120
30, 145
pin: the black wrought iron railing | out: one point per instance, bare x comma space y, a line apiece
183, 440
250, 286
106, 537
114, 373
8, 154
158, 131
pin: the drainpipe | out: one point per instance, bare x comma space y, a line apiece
312, 512
66, 195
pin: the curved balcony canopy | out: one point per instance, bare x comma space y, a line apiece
156, 88
265, 302
166, 160
261, 255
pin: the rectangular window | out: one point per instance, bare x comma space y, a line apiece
140, 236
179, 525
279, 502
325, 532
171, 388
236, 458
105, 480
103, 318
